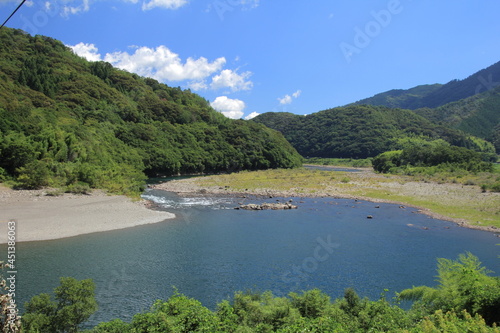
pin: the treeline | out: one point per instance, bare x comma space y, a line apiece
362, 131
401, 98
434, 154
66, 122
467, 299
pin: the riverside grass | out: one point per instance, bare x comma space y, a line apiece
442, 196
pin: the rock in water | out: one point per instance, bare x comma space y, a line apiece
273, 206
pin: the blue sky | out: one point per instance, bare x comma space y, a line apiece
255, 56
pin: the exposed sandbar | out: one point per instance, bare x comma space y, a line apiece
40, 217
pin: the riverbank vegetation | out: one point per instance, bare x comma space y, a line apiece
340, 162
73, 124
440, 159
466, 299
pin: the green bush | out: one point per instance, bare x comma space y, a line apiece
430, 159
33, 175
74, 303
78, 188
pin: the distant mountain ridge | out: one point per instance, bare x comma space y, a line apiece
401, 98
471, 105
435, 95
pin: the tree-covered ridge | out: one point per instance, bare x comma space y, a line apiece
433, 96
471, 105
477, 115
466, 299
66, 121
361, 131
401, 98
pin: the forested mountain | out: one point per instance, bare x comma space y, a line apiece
478, 115
471, 105
433, 96
66, 121
360, 131
401, 98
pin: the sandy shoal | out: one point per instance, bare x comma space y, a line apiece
40, 217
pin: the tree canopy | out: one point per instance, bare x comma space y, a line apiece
361, 131
65, 121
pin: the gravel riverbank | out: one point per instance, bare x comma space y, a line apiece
41, 217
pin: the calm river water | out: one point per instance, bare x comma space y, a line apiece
211, 250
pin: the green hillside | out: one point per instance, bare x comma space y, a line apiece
65, 121
361, 131
478, 115
401, 98
471, 105
433, 96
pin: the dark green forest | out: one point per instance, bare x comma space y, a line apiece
465, 299
362, 131
69, 123
478, 115
471, 105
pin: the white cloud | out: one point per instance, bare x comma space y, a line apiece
164, 65
198, 85
231, 108
73, 7
84, 7
252, 115
87, 51
230, 79
167, 4
285, 100
288, 99
297, 94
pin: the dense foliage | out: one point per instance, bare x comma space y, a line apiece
362, 131
74, 303
65, 121
471, 105
434, 154
466, 300
463, 285
477, 115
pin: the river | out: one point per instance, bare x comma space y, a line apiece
212, 250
